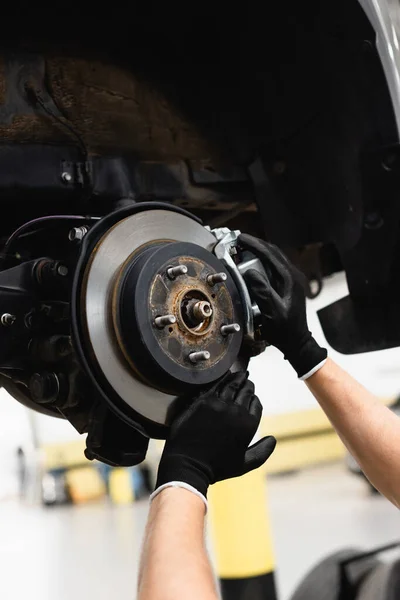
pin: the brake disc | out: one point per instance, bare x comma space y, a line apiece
156, 314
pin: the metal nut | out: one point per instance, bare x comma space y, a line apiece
77, 233
202, 310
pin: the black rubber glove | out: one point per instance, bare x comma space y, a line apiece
210, 441
112, 441
281, 299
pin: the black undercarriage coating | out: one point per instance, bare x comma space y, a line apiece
280, 125
232, 116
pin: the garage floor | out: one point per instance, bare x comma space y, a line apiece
92, 551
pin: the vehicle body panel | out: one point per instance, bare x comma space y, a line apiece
384, 16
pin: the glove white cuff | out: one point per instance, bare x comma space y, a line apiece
313, 371
179, 484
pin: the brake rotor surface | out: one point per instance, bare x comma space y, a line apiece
126, 288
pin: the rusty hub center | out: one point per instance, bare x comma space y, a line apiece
172, 303
196, 312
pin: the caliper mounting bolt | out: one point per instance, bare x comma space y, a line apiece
196, 357
217, 278
164, 321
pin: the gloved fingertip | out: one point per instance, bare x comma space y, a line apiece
267, 446
249, 242
230, 385
270, 442
259, 453
256, 281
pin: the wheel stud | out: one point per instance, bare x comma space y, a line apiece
229, 329
174, 272
162, 322
217, 278
197, 357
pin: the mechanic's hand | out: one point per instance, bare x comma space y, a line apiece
210, 441
112, 441
281, 299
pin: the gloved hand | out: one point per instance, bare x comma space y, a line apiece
209, 442
281, 300
112, 441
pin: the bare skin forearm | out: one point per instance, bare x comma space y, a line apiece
370, 431
174, 558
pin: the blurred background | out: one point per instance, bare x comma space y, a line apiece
73, 529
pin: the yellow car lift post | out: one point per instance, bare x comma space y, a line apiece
242, 538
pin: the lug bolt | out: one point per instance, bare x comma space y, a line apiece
197, 357
202, 310
162, 322
7, 319
217, 278
229, 329
77, 233
174, 272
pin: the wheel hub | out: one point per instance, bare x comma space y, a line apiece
162, 321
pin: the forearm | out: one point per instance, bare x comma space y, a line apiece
174, 559
370, 431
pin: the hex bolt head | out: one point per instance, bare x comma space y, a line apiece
7, 319
230, 329
164, 321
174, 272
62, 270
216, 278
66, 177
77, 233
196, 357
